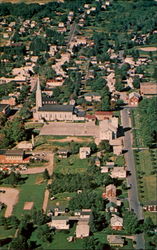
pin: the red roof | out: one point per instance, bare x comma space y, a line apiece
90, 117
103, 113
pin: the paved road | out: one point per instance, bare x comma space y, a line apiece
133, 192
72, 32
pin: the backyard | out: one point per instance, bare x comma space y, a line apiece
60, 240
71, 165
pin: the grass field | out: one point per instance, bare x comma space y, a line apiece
6, 233
60, 241
147, 180
30, 191
137, 138
71, 165
61, 199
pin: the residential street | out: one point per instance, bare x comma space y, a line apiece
133, 192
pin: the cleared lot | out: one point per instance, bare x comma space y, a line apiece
10, 198
73, 129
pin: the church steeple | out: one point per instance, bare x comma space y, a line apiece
38, 95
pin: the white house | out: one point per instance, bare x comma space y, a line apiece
60, 222
84, 152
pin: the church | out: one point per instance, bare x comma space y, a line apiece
47, 111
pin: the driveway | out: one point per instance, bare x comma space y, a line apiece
133, 192
38, 170
9, 198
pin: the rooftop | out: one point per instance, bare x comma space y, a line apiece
2, 107
57, 108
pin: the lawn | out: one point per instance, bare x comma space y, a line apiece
60, 241
147, 181
71, 165
153, 216
61, 199
6, 233
137, 138
32, 190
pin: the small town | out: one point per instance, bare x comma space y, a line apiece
78, 124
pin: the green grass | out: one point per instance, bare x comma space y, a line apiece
153, 216
60, 241
6, 233
120, 161
137, 138
30, 191
71, 165
61, 200
148, 180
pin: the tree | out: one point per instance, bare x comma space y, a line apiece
46, 175
148, 225
104, 145
14, 221
44, 233
13, 178
19, 243
91, 243
130, 222
119, 85
136, 82
2, 120
14, 130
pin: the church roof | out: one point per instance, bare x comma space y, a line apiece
56, 108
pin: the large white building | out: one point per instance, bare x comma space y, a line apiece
46, 111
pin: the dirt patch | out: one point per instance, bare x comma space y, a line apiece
39, 180
69, 139
149, 49
10, 198
28, 205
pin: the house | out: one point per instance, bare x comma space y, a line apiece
115, 240
11, 100
97, 162
89, 97
59, 211
111, 207
101, 115
116, 222
119, 172
117, 145
63, 153
148, 89
90, 117
82, 229
84, 152
61, 27
134, 99
5, 109
108, 129
110, 192
151, 207
60, 222
104, 169
12, 156
85, 214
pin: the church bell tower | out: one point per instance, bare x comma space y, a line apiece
38, 96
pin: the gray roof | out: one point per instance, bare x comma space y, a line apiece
56, 108
60, 218
14, 152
